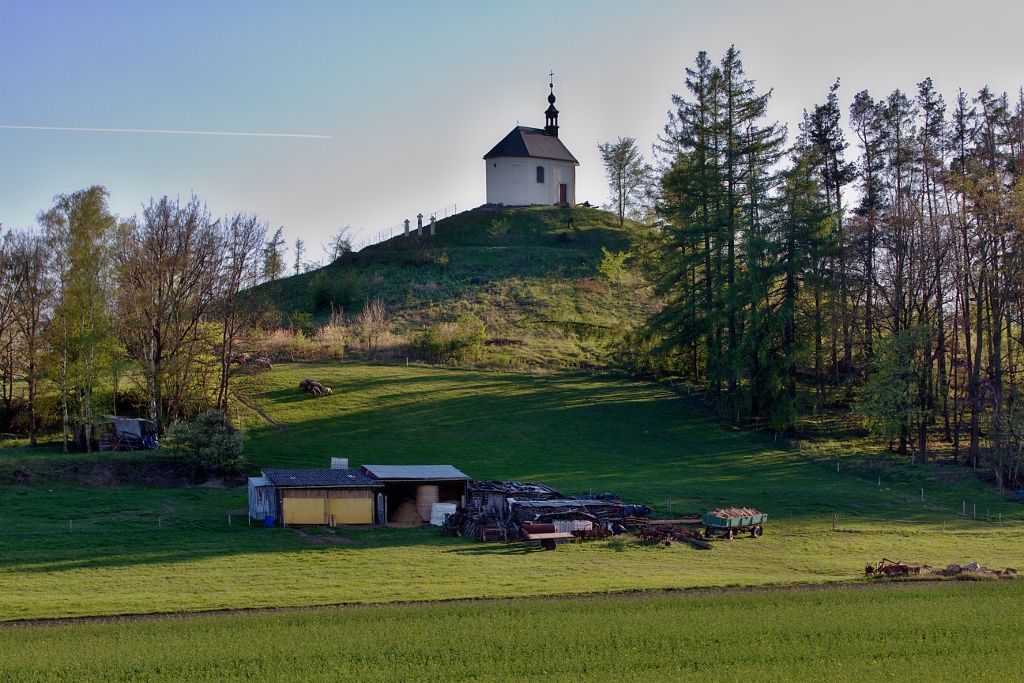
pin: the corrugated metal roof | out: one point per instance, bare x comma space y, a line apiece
531, 142
259, 481
563, 503
414, 472
319, 478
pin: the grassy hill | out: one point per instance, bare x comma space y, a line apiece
524, 274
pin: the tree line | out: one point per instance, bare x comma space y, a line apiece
889, 276
90, 302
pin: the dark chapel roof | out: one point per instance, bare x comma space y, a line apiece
531, 142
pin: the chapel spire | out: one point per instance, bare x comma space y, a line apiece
551, 115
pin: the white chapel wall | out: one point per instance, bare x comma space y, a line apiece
513, 181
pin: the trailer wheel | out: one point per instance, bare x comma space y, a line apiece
707, 532
757, 531
548, 543
731, 534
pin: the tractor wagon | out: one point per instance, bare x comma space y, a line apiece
729, 522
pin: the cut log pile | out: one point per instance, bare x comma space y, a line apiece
733, 513
667, 533
314, 387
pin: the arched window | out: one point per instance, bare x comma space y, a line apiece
540, 174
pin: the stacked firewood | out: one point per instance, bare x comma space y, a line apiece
735, 512
314, 387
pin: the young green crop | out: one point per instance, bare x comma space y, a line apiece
947, 632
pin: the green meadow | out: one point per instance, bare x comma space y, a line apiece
135, 548
956, 631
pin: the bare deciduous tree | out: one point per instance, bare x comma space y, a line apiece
373, 324
169, 264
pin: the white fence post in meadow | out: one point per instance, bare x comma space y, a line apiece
922, 495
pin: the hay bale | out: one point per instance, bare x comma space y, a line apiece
406, 515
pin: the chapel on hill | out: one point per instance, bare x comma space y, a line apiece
532, 166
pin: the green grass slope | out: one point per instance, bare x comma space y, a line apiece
524, 272
962, 632
145, 549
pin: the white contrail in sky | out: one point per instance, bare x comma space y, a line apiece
175, 132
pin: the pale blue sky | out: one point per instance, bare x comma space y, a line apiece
412, 94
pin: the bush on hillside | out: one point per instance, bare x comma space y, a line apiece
459, 341
207, 442
340, 291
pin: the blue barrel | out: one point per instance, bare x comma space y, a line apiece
268, 521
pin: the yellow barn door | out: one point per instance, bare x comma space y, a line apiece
351, 510
303, 510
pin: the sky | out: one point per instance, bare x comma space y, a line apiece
399, 101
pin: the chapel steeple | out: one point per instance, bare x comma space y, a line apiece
551, 115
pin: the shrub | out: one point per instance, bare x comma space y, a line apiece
459, 341
326, 292
207, 442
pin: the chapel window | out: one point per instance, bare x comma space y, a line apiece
540, 174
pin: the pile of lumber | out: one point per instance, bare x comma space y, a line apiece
314, 387
732, 513
668, 533
470, 523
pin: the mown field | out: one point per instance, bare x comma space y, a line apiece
146, 549
949, 632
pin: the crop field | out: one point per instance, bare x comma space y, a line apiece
957, 631
76, 542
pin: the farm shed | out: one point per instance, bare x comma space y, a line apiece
126, 434
494, 495
262, 498
424, 484
323, 496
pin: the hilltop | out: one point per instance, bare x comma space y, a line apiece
525, 279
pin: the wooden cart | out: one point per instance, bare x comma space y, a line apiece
544, 535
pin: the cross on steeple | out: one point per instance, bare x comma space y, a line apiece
551, 115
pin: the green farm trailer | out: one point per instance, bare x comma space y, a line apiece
729, 523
